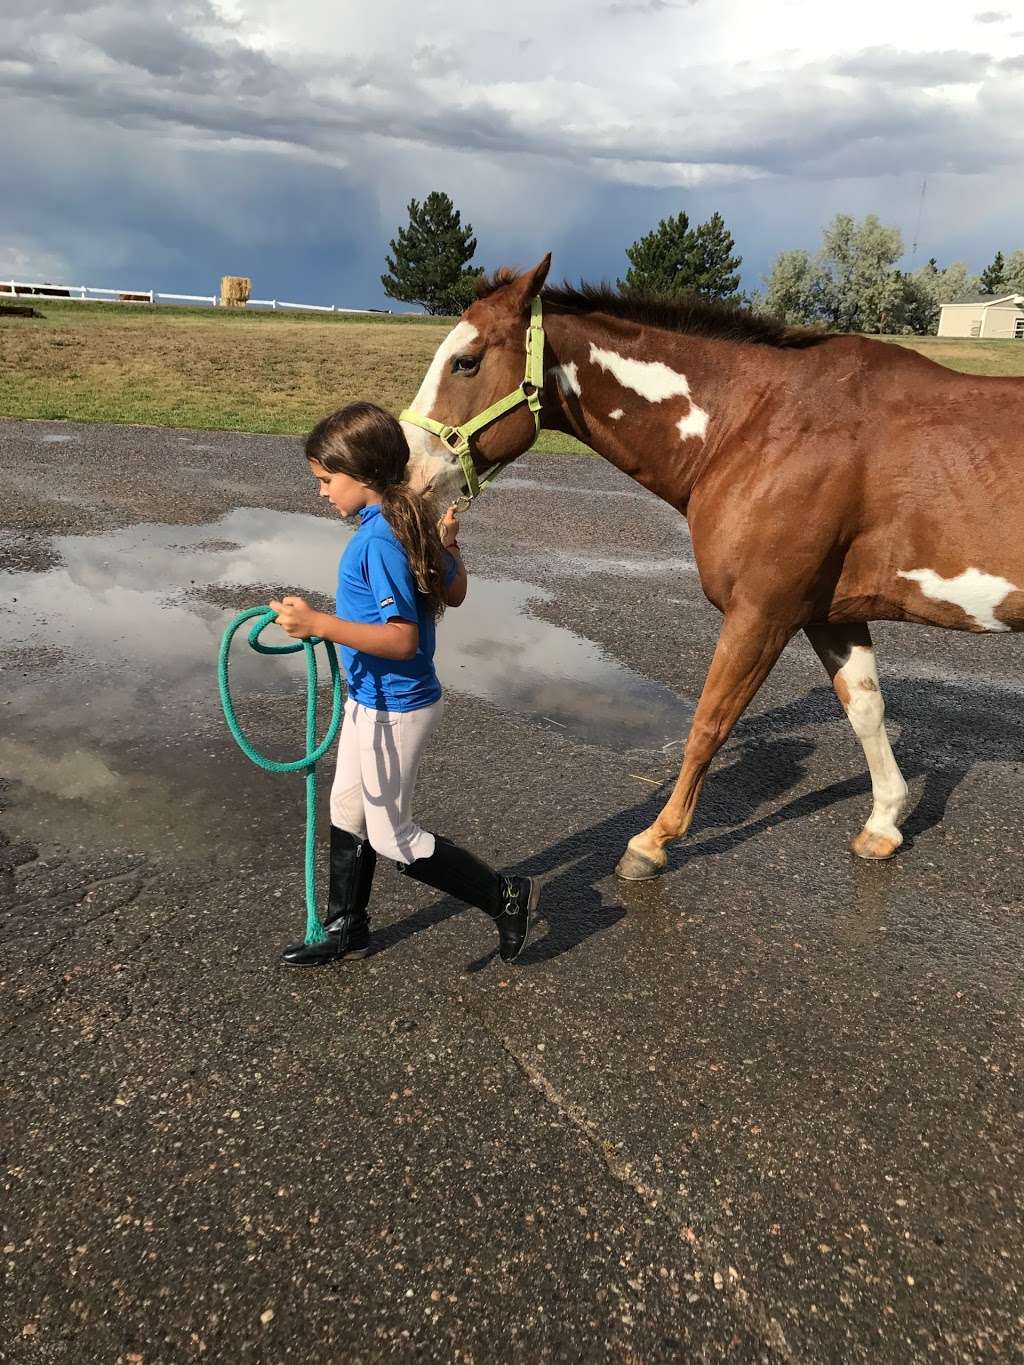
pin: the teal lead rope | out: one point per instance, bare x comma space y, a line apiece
314, 752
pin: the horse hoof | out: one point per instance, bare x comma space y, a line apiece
634, 866
874, 847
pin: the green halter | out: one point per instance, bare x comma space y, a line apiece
458, 439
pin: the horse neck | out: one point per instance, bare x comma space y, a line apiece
657, 438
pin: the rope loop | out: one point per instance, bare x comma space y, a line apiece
262, 617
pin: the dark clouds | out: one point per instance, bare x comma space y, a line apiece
162, 134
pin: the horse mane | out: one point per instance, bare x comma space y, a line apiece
689, 313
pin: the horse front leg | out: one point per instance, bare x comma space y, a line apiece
747, 649
849, 658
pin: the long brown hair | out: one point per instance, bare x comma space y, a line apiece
369, 445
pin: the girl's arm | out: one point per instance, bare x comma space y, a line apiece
394, 640
448, 529
459, 584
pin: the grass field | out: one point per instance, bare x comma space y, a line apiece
1004, 358
266, 372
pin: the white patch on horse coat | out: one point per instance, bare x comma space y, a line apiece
655, 381
866, 710
695, 423
616, 414
651, 379
977, 593
567, 377
430, 459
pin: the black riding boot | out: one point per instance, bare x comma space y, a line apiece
510, 901
348, 925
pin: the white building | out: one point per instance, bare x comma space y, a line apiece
984, 315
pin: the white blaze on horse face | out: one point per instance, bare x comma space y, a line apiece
430, 461
977, 593
655, 381
615, 414
567, 377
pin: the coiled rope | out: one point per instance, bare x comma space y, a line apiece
314, 752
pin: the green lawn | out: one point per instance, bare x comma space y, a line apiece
219, 369
214, 369
968, 354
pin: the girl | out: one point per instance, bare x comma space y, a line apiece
394, 581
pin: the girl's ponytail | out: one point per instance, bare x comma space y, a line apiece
413, 519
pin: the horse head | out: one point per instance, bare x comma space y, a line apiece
479, 364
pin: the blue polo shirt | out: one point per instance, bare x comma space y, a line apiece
376, 585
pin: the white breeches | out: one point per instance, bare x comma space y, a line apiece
378, 757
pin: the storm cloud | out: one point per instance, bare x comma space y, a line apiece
180, 138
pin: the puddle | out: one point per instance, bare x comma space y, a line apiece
138, 651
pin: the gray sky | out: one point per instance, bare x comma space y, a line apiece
166, 143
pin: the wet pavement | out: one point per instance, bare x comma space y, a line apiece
765, 1108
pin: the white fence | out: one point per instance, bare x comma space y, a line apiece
84, 293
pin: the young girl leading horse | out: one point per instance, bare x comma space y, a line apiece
395, 579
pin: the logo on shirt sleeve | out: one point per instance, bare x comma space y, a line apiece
387, 602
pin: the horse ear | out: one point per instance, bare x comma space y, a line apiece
531, 282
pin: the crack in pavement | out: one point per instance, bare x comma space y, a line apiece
623, 1171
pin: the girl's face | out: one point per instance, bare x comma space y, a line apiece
346, 495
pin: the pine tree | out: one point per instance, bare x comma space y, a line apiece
993, 277
714, 266
660, 260
430, 257
676, 259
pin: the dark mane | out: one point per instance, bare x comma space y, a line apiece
689, 313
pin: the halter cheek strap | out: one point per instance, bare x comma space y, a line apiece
458, 439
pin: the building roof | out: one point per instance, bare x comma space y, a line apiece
985, 299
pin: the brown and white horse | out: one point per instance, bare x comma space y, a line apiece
828, 481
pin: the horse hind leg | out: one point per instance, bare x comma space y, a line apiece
849, 658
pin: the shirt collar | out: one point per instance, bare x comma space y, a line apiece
368, 513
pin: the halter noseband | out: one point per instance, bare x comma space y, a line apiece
458, 439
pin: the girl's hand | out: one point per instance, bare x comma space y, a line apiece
448, 527
295, 617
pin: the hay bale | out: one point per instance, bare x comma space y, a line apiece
234, 291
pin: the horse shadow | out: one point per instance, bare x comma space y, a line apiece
944, 729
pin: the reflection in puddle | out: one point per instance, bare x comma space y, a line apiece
117, 600
139, 650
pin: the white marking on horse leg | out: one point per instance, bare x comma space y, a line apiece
976, 593
430, 462
695, 423
567, 377
856, 685
615, 414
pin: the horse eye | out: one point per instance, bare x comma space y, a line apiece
465, 364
